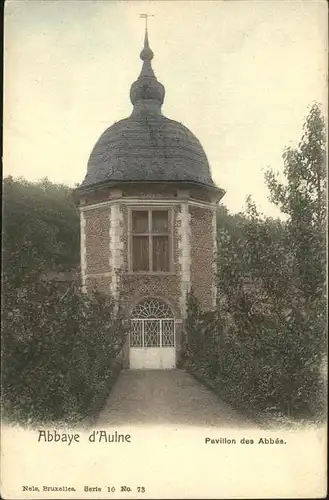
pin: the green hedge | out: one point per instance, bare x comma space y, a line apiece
269, 367
60, 352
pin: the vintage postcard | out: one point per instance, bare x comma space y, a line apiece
164, 266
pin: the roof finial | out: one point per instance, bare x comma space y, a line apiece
146, 87
145, 16
147, 53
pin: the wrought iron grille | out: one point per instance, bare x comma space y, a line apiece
152, 325
151, 308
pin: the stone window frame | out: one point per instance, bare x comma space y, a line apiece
149, 208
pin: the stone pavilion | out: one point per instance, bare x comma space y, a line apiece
148, 222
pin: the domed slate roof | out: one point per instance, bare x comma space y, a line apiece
147, 146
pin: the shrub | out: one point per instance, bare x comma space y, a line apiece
60, 351
271, 368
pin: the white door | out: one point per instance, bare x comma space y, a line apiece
152, 337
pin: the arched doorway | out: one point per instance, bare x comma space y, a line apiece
152, 336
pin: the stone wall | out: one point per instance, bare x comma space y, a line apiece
193, 255
102, 261
202, 255
97, 254
106, 265
134, 288
100, 283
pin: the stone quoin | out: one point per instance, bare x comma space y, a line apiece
148, 223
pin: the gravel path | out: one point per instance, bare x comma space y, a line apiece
166, 397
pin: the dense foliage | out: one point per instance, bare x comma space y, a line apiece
264, 348
41, 228
60, 352
59, 347
303, 199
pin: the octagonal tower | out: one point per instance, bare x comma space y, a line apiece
148, 222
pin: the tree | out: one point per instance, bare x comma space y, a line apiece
60, 346
302, 198
41, 228
253, 260
59, 352
271, 285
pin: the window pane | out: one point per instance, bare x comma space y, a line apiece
140, 253
160, 253
140, 221
159, 221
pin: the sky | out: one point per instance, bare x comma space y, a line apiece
241, 75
